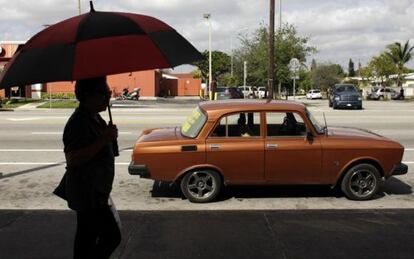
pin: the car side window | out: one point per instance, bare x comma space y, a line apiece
281, 124
245, 124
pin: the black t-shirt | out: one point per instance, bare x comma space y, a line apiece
88, 186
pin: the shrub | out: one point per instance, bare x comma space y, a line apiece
58, 95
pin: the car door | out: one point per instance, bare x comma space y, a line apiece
237, 148
290, 158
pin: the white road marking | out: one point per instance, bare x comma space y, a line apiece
44, 150
31, 150
61, 133
36, 118
48, 163
47, 133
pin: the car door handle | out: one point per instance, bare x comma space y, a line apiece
214, 146
272, 146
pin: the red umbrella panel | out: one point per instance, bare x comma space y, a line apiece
97, 44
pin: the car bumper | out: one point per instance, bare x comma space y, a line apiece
140, 170
399, 169
348, 103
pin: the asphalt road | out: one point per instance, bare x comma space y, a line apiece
32, 161
379, 234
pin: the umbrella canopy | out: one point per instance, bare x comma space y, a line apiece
97, 44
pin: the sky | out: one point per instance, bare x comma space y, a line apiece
339, 29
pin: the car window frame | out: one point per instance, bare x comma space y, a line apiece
285, 137
261, 136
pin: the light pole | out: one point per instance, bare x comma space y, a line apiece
207, 16
79, 7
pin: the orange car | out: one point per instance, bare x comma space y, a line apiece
257, 143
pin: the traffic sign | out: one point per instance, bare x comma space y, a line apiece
294, 64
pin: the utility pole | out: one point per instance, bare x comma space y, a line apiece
79, 7
280, 30
270, 71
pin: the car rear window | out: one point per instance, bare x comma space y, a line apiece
193, 124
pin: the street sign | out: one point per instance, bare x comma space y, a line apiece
294, 65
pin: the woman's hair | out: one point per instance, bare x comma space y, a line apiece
88, 87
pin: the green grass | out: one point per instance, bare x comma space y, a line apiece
61, 104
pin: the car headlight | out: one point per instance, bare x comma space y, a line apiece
359, 98
337, 98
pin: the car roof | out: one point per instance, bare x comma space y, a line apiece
217, 108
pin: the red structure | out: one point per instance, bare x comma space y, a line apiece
153, 83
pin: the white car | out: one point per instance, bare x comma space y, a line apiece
250, 92
261, 92
314, 94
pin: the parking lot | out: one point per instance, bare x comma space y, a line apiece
32, 161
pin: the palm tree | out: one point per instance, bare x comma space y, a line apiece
400, 55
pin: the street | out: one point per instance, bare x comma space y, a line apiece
32, 162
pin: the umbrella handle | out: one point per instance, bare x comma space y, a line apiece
115, 142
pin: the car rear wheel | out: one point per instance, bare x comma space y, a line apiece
361, 182
201, 185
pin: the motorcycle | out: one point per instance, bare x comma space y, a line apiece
126, 95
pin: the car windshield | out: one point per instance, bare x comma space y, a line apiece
193, 124
314, 122
345, 88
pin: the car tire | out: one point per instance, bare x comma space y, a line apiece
201, 186
361, 182
334, 106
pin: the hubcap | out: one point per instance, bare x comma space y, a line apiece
201, 184
363, 183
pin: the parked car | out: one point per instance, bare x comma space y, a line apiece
252, 142
314, 94
345, 96
228, 93
379, 93
261, 92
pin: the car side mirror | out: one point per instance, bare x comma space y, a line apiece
309, 136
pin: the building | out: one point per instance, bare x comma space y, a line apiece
7, 49
153, 83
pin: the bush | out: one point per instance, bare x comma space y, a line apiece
59, 95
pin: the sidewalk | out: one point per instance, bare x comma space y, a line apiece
29, 106
220, 234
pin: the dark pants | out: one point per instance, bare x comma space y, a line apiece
97, 234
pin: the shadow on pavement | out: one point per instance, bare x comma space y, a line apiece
392, 186
30, 170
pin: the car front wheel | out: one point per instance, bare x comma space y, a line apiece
361, 182
201, 185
